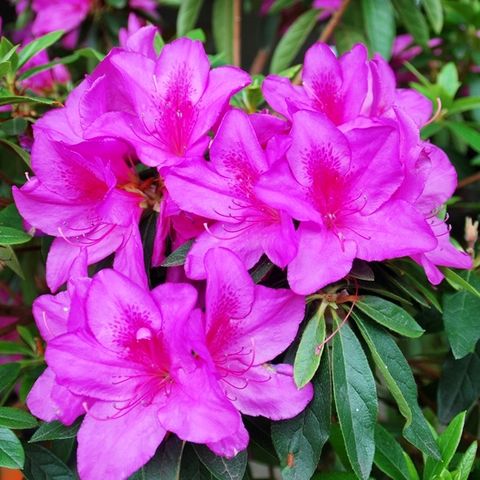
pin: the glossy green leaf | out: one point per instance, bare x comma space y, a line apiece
188, 15
13, 127
399, 380
465, 465
223, 468
11, 450
37, 45
178, 256
15, 418
460, 283
434, 11
310, 350
222, 26
447, 79
192, 468
55, 431
292, 41
448, 443
389, 455
390, 315
413, 20
279, 5
468, 134
459, 385
14, 99
461, 318
12, 236
87, 52
41, 463
464, 105
300, 440
355, 400
13, 348
379, 19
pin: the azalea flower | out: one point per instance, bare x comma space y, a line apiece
247, 326
166, 107
135, 361
339, 186
223, 190
86, 196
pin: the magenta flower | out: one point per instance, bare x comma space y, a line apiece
85, 195
341, 191
136, 361
165, 108
248, 325
48, 399
223, 190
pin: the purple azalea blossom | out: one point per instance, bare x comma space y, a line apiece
164, 107
85, 195
339, 186
134, 361
223, 190
247, 326
48, 399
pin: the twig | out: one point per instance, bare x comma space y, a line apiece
237, 32
469, 180
327, 32
259, 61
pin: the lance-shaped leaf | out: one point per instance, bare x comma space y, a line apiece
447, 442
465, 465
355, 400
310, 349
390, 315
16, 418
37, 45
11, 450
223, 468
299, 441
55, 431
399, 380
42, 463
389, 455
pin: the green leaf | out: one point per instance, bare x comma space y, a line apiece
192, 468
11, 450
447, 79
8, 258
5, 67
37, 45
178, 256
9, 373
292, 41
14, 99
18, 150
197, 34
413, 20
117, 3
464, 104
399, 379
461, 319
13, 348
459, 283
88, 53
379, 19
434, 11
13, 127
310, 349
300, 440
389, 456
41, 463
187, 16
223, 468
355, 400
16, 418
466, 133
279, 5
465, 465
390, 315
12, 236
459, 385
261, 269
55, 431
448, 443
165, 465
222, 26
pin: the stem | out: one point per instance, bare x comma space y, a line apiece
469, 180
327, 32
259, 61
237, 32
